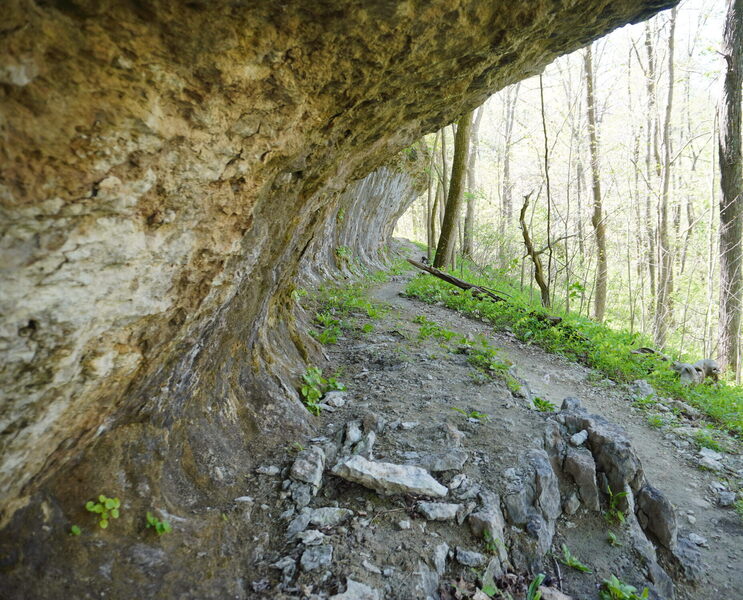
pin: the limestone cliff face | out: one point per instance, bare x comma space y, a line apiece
167, 169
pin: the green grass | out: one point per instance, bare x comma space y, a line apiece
580, 339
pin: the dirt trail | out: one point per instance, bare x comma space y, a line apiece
418, 400
667, 467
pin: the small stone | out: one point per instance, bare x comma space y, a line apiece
269, 470
438, 511
550, 593
709, 463
726, 499
371, 567
244, 499
336, 399
316, 557
388, 571
456, 481
711, 454
439, 557
571, 404
329, 516
356, 591
642, 388
353, 433
579, 438
404, 524
313, 537
571, 504
469, 558
697, 540
409, 425
692, 519
308, 466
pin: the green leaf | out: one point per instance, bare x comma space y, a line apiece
115, 513
102, 499
75, 530
109, 503
97, 508
90, 505
103, 523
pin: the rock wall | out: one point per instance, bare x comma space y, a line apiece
165, 169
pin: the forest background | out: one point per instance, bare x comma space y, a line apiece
630, 124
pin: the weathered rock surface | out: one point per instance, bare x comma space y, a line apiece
389, 478
308, 467
656, 515
151, 229
580, 466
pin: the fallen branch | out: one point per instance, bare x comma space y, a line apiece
478, 291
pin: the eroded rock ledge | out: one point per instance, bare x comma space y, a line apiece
167, 167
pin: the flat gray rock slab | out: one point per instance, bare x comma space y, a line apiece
389, 478
438, 511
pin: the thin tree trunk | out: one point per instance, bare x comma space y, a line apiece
454, 199
596, 218
731, 188
469, 220
547, 183
534, 255
664, 305
431, 201
650, 168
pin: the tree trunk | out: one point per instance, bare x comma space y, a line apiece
664, 305
454, 199
597, 218
431, 201
469, 220
652, 144
731, 188
535, 256
512, 94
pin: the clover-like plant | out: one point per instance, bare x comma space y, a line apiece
159, 526
107, 508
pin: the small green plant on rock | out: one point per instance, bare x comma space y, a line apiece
533, 592
615, 589
492, 544
159, 526
572, 561
611, 537
655, 421
615, 514
315, 386
107, 508
473, 414
75, 530
704, 439
543, 405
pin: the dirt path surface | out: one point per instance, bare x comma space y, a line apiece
553, 378
416, 399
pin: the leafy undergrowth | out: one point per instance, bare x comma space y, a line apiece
580, 339
344, 306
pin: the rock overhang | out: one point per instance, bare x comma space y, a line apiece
168, 168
